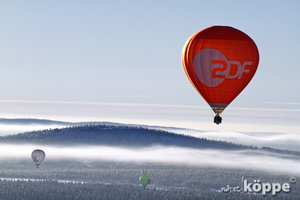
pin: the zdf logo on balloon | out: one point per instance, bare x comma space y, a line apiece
212, 67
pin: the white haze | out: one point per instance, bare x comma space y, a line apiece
286, 141
11, 129
246, 159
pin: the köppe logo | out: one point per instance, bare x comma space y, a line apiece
212, 67
259, 187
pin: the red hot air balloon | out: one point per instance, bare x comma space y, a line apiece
220, 61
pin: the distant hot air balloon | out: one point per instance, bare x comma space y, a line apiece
38, 157
144, 179
220, 61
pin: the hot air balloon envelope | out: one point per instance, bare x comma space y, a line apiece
220, 61
38, 157
144, 179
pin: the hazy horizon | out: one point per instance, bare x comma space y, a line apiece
278, 118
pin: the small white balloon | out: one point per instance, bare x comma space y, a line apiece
38, 157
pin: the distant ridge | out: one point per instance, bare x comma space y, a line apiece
28, 121
114, 135
121, 135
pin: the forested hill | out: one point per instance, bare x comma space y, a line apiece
114, 136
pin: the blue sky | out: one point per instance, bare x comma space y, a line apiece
86, 59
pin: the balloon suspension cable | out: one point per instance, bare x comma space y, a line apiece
218, 119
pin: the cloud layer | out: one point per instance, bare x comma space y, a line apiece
248, 159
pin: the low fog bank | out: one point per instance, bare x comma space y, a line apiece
284, 141
246, 159
12, 129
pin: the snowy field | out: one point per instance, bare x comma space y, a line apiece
84, 179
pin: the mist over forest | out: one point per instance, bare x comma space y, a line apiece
103, 160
